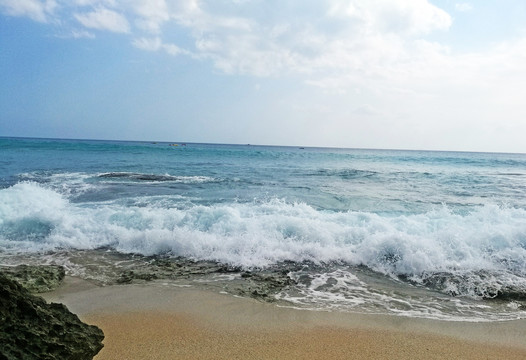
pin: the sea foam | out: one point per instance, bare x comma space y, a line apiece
258, 234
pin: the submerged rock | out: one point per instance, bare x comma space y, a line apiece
30, 328
37, 278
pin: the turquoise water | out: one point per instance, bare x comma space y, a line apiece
445, 226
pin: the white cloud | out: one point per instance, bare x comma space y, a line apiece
366, 110
156, 44
104, 19
148, 44
152, 14
94, 3
79, 34
174, 50
463, 7
402, 16
34, 9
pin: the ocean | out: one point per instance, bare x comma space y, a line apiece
427, 234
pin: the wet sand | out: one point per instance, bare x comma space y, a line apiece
156, 321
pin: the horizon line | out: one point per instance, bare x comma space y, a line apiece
265, 145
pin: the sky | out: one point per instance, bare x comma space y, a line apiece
390, 74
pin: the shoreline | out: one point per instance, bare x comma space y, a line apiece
163, 321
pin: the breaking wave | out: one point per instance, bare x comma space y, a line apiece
480, 253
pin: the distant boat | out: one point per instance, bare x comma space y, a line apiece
173, 145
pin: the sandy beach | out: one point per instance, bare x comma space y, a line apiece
163, 321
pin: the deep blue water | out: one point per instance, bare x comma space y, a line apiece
410, 215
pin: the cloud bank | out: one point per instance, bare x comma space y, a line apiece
331, 43
255, 37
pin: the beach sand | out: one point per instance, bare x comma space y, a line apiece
163, 321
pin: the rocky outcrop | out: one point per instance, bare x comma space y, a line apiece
173, 268
256, 283
31, 329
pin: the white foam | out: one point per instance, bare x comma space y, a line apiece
263, 233
340, 290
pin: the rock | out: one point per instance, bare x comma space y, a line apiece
38, 278
30, 328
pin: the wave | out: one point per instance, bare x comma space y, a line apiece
485, 247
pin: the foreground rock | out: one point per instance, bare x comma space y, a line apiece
30, 328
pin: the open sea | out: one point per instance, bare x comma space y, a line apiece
415, 233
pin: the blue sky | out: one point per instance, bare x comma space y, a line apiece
405, 74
